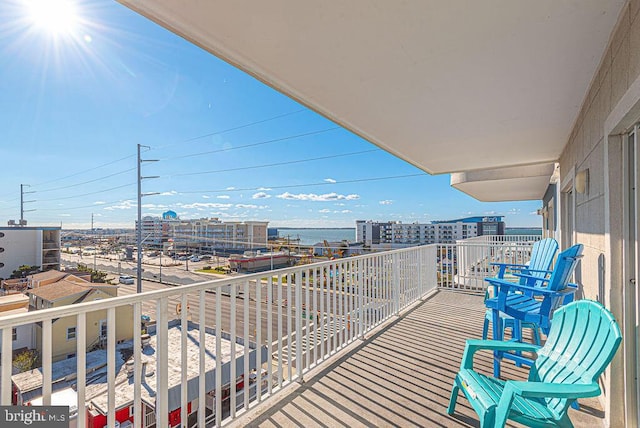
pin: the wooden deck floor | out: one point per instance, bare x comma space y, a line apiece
400, 376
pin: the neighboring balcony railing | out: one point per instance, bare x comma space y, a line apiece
464, 265
196, 338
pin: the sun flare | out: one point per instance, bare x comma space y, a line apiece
55, 16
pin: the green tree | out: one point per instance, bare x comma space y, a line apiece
96, 275
26, 360
24, 271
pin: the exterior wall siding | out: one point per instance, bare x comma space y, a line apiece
598, 211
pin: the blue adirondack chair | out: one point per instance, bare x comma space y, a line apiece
533, 304
542, 254
583, 339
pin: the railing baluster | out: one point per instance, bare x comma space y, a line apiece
308, 314
81, 366
289, 332
202, 390
162, 362
298, 315
246, 344
280, 374
270, 333
234, 359
219, 362
258, 342
6, 365
111, 365
137, 366
184, 367
46, 362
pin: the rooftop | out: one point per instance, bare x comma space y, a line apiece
63, 372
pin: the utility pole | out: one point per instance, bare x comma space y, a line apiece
139, 228
93, 239
22, 202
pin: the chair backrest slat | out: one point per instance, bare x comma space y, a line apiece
583, 339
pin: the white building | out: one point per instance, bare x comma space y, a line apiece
27, 245
152, 233
213, 234
395, 234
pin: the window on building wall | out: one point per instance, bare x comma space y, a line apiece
71, 333
14, 334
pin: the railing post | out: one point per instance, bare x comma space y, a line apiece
396, 284
360, 292
298, 315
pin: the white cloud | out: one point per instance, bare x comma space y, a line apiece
324, 211
124, 205
533, 213
99, 203
206, 197
266, 189
231, 188
261, 195
223, 197
169, 193
386, 202
203, 205
330, 180
65, 215
246, 206
345, 211
327, 197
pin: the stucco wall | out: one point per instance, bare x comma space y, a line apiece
598, 211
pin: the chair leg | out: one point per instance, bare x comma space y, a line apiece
485, 328
498, 334
536, 335
454, 397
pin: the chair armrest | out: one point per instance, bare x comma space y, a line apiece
558, 390
474, 345
510, 265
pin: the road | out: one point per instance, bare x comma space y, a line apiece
281, 306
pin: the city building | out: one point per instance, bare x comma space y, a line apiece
202, 235
70, 290
395, 234
29, 245
152, 231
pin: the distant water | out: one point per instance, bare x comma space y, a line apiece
313, 236
523, 231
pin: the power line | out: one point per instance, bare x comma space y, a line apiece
260, 143
86, 170
87, 182
274, 164
235, 128
88, 194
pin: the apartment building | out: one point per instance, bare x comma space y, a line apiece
395, 234
29, 245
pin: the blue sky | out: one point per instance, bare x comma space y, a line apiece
76, 101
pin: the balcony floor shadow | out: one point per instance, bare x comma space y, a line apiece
401, 375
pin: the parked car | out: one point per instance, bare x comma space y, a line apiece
126, 279
194, 259
205, 257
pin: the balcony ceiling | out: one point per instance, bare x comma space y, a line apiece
446, 85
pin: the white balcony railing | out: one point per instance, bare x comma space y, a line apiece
286, 322
465, 264
293, 320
